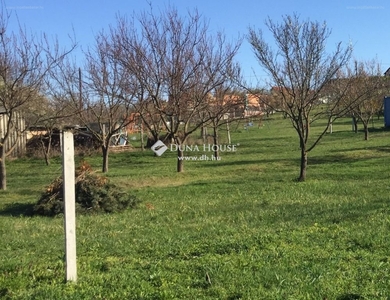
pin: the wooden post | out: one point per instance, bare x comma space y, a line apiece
69, 204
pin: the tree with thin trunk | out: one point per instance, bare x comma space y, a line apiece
221, 108
149, 117
299, 70
112, 92
46, 117
178, 64
25, 62
101, 95
367, 88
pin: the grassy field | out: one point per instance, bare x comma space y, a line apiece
238, 228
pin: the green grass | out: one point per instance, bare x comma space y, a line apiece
244, 221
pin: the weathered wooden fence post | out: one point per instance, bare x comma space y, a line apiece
69, 204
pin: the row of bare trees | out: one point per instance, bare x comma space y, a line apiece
178, 65
166, 68
365, 88
179, 78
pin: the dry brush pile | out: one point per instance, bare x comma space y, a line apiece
94, 194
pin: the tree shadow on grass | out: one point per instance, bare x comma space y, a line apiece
349, 297
312, 160
382, 149
243, 162
376, 129
17, 209
372, 148
371, 129
316, 160
304, 213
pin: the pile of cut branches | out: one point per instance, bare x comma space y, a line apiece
94, 194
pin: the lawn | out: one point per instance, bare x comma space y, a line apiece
238, 228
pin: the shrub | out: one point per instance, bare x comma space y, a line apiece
94, 194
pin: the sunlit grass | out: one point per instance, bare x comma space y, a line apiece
242, 222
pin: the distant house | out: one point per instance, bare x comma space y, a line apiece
253, 105
387, 73
247, 105
134, 123
16, 142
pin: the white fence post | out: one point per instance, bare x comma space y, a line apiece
69, 204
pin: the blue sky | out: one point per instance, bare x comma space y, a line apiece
364, 23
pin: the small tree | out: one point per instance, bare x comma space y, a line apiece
366, 90
112, 91
25, 61
221, 107
299, 70
46, 117
149, 116
101, 96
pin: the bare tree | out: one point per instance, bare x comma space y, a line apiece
299, 70
25, 61
149, 117
112, 92
366, 90
177, 64
221, 110
45, 116
101, 96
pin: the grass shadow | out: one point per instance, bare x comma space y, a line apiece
17, 209
330, 159
292, 162
305, 213
382, 149
376, 129
364, 148
349, 297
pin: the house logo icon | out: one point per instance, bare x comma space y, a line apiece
159, 148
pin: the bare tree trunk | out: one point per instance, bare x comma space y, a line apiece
46, 149
142, 138
203, 131
354, 124
179, 159
3, 171
302, 175
105, 158
47, 154
365, 125
216, 140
